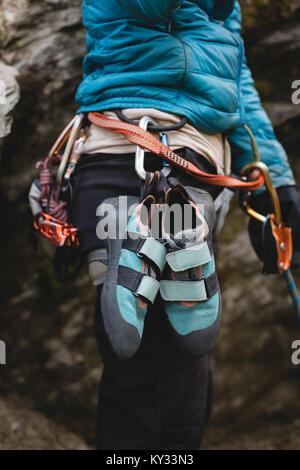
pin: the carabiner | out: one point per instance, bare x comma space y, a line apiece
60, 141
75, 157
262, 168
69, 147
281, 233
140, 152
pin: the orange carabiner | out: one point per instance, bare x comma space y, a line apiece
284, 244
281, 233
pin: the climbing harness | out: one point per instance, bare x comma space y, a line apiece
145, 140
49, 202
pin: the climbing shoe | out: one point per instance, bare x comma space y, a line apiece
189, 285
135, 263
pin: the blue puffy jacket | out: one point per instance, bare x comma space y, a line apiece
180, 56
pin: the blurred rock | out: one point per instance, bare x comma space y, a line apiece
24, 429
9, 97
45, 43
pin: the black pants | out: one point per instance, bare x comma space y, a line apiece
160, 399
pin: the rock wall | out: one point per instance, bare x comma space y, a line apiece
9, 97
48, 328
53, 366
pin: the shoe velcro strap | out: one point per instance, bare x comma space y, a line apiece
188, 258
148, 288
148, 248
138, 283
154, 251
189, 291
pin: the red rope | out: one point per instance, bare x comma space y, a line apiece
57, 209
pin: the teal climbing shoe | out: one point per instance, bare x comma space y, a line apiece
189, 285
135, 263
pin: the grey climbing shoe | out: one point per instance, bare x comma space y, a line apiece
135, 263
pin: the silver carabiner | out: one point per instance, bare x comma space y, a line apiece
68, 150
140, 152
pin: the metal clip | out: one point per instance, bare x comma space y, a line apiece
140, 152
262, 168
69, 147
281, 233
75, 157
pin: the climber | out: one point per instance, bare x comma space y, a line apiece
182, 63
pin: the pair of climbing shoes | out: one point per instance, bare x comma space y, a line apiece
153, 254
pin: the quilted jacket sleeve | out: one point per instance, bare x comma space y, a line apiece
151, 11
272, 152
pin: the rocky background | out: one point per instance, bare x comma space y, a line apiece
48, 389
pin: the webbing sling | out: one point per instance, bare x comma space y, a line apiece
149, 142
